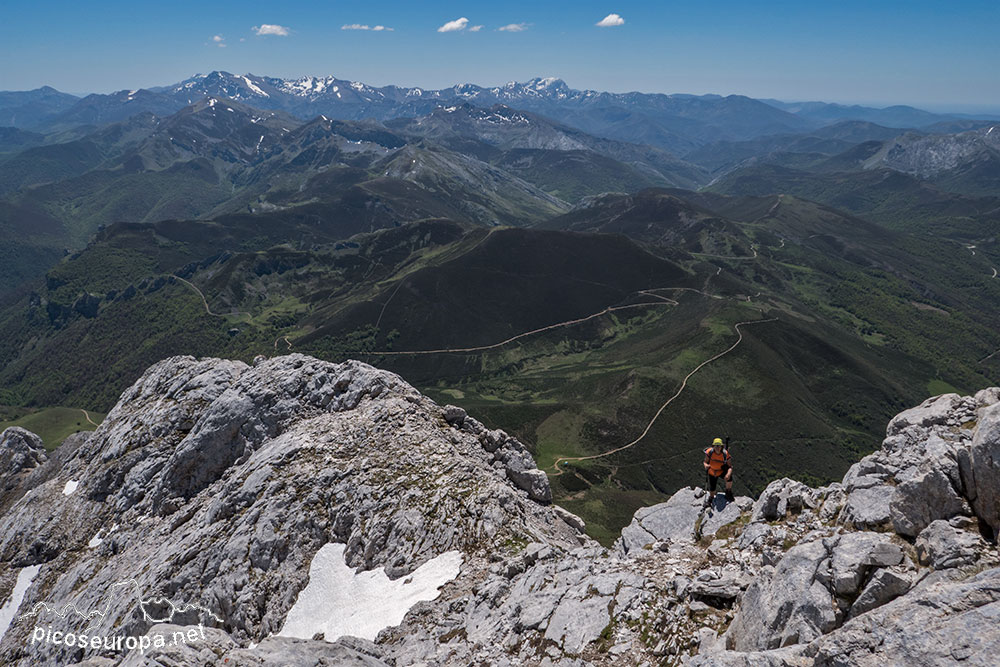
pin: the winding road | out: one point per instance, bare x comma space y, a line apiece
87, 416
204, 301
480, 348
664, 301
559, 471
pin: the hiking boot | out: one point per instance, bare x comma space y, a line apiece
708, 502
729, 496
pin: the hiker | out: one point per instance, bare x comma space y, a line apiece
718, 463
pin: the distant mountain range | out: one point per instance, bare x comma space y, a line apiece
628, 235
678, 122
443, 154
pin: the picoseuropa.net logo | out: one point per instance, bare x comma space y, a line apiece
68, 626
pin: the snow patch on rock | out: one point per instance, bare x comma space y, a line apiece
21, 586
339, 601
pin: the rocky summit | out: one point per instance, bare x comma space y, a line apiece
301, 512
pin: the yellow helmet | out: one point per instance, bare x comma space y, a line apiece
718, 442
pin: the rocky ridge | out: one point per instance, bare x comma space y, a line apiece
216, 483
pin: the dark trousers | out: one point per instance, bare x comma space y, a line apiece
714, 481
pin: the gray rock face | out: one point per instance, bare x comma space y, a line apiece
20, 450
867, 508
810, 590
216, 483
885, 585
932, 412
673, 520
790, 605
781, 497
683, 518
719, 586
713, 518
982, 474
928, 155
856, 598
924, 470
946, 623
22, 456
944, 546
220, 648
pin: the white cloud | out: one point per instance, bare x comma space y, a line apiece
218, 38
454, 26
475, 28
610, 21
513, 27
361, 26
269, 29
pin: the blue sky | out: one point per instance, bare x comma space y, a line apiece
928, 53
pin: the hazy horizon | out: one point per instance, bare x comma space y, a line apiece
936, 107
873, 54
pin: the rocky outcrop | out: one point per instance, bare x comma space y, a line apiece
216, 494
887, 566
20, 450
217, 482
811, 590
683, 518
21, 454
979, 468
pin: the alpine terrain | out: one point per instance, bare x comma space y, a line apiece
297, 511
304, 370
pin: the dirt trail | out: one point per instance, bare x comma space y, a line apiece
559, 471
87, 416
479, 348
204, 301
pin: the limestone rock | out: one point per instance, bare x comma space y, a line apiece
570, 518
884, 586
20, 450
943, 546
21, 453
867, 508
713, 518
216, 483
945, 623
793, 605
798, 602
673, 520
933, 411
718, 587
984, 469
454, 415
780, 497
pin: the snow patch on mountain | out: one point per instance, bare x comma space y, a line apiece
339, 601
24, 578
254, 87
